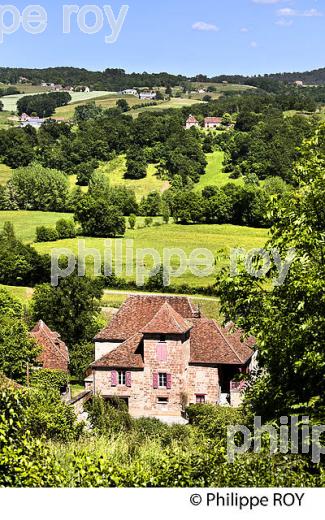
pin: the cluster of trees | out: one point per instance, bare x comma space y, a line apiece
63, 229
9, 91
35, 188
42, 105
20, 264
287, 318
245, 205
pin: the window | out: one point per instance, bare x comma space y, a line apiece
122, 377
163, 380
161, 352
200, 399
162, 400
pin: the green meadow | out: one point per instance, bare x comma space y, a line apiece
219, 240
214, 175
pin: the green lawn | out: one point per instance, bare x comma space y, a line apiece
214, 175
5, 174
23, 294
105, 100
217, 239
116, 169
26, 222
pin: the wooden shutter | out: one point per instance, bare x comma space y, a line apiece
155, 380
128, 379
114, 378
169, 381
161, 352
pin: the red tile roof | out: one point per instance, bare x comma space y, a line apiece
167, 321
215, 120
124, 356
212, 344
139, 315
191, 119
54, 354
138, 311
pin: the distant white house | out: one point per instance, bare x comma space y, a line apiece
202, 91
299, 83
130, 92
191, 121
35, 122
212, 122
147, 95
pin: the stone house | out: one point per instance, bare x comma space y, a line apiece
212, 122
159, 354
191, 121
54, 353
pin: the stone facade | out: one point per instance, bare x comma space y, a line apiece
159, 355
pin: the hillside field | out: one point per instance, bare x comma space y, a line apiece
217, 239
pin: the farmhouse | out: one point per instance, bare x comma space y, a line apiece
147, 95
159, 353
54, 352
130, 92
212, 122
191, 121
35, 122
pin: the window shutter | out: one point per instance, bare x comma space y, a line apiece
169, 381
155, 380
114, 378
161, 352
128, 379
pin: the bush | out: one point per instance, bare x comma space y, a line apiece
45, 379
132, 221
213, 420
24, 461
46, 234
109, 418
65, 229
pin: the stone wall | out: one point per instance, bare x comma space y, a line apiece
203, 381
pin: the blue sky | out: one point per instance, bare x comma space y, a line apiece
179, 36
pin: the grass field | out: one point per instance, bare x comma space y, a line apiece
5, 173
26, 222
217, 239
103, 99
116, 169
24, 294
214, 175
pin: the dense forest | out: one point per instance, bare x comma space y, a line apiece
117, 79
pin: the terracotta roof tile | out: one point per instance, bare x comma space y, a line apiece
213, 119
167, 321
138, 311
54, 354
211, 344
124, 356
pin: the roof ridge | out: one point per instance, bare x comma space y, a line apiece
65, 357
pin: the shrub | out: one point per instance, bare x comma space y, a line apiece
65, 229
45, 379
46, 234
24, 461
213, 420
148, 221
132, 221
111, 418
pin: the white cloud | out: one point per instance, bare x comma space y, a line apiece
253, 45
284, 22
244, 30
287, 11
203, 26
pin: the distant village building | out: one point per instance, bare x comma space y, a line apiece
130, 92
212, 122
54, 352
299, 83
191, 121
202, 91
159, 354
147, 95
34, 121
